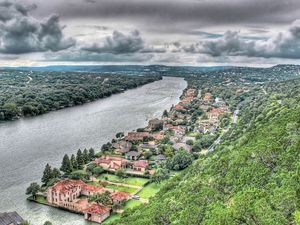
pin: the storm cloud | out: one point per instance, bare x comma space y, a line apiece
118, 43
285, 44
22, 33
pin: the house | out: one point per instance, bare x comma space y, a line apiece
186, 147
148, 146
160, 157
111, 162
119, 197
96, 213
179, 107
140, 165
191, 93
64, 192
157, 136
156, 124
137, 136
10, 218
122, 147
132, 155
207, 97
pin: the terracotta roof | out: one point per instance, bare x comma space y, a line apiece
141, 163
67, 185
97, 209
120, 196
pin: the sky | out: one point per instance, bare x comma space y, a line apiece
173, 32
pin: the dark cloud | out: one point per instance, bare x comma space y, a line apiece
86, 56
21, 33
120, 43
285, 44
171, 13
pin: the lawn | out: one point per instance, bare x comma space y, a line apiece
132, 203
112, 218
41, 199
150, 190
129, 180
121, 188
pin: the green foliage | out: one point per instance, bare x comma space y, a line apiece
180, 160
48, 91
103, 198
160, 175
33, 189
66, 165
120, 173
47, 223
47, 175
252, 177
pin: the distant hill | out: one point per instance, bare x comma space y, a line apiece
120, 68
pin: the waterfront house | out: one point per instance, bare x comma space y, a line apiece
64, 192
156, 124
10, 218
137, 136
96, 213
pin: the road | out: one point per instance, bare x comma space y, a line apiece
218, 140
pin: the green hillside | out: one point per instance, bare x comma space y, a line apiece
252, 177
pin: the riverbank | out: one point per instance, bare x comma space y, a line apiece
28, 144
52, 91
166, 144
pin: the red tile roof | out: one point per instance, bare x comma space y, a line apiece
141, 163
97, 209
120, 196
67, 185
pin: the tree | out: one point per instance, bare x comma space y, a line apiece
165, 113
119, 135
180, 160
160, 175
120, 173
103, 198
98, 170
79, 159
11, 110
47, 223
91, 154
47, 174
25, 222
168, 151
66, 165
74, 162
85, 156
55, 173
33, 189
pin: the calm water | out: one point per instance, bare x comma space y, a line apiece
27, 145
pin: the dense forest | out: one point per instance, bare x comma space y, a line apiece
33, 93
253, 176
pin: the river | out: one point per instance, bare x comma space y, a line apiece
26, 145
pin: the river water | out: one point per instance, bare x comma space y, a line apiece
28, 144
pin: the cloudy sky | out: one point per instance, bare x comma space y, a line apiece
174, 32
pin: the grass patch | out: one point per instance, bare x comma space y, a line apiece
132, 203
121, 188
129, 180
150, 190
41, 199
112, 218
